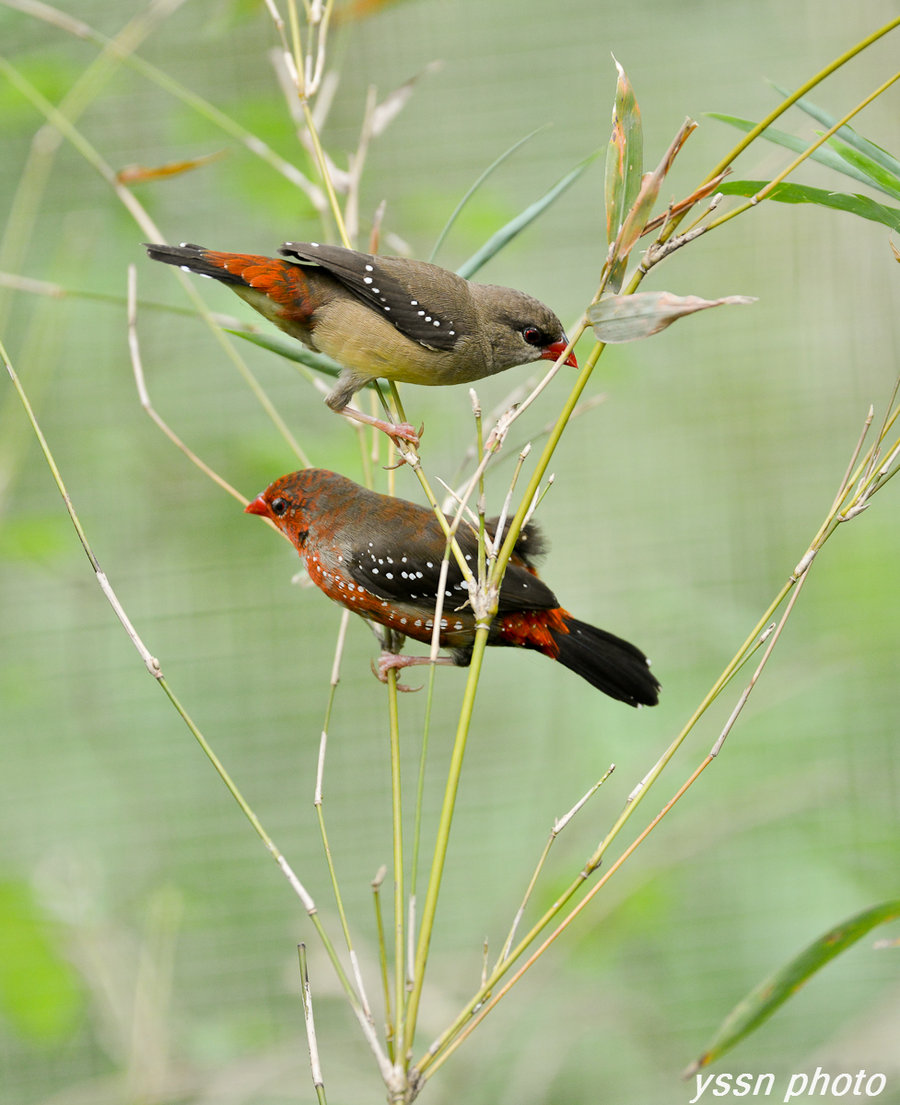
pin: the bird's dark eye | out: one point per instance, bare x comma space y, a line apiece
278, 507
533, 336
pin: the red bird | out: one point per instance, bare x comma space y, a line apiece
381, 557
384, 317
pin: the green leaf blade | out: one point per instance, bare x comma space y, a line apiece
823, 155
624, 166
862, 206
774, 991
515, 226
847, 133
867, 167
470, 192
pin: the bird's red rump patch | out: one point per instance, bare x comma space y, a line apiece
534, 629
281, 281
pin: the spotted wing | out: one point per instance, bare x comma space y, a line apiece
390, 572
395, 575
404, 302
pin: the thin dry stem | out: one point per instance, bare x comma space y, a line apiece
314, 1064
382, 960
144, 396
339, 648
494, 547
773, 640
556, 829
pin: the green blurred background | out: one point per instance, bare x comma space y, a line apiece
147, 943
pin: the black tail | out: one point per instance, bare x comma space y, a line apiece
193, 258
616, 667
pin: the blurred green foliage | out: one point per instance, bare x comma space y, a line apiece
39, 990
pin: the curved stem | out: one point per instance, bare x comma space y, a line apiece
786, 172
832, 67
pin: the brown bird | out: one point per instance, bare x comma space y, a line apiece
381, 557
385, 317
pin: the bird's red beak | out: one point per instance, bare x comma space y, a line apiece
555, 351
258, 506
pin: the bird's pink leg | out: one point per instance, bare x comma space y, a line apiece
402, 430
393, 661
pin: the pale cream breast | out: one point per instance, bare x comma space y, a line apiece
371, 346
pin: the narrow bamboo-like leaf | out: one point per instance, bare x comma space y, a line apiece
624, 166
474, 188
762, 1001
839, 156
862, 206
876, 174
637, 217
848, 134
141, 174
293, 350
823, 154
639, 213
622, 318
506, 233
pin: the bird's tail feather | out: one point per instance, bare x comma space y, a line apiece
612, 665
193, 257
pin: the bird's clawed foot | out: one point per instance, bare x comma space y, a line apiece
405, 458
392, 661
399, 431
402, 431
